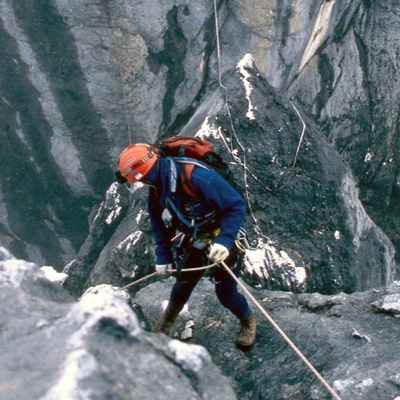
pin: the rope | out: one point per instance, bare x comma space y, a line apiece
235, 157
138, 281
145, 278
243, 164
283, 334
218, 46
233, 153
262, 310
301, 136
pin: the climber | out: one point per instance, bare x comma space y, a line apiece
190, 231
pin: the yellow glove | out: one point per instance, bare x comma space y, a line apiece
218, 252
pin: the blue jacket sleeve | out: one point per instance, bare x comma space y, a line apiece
221, 197
162, 235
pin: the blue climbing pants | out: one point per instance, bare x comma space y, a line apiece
225, 285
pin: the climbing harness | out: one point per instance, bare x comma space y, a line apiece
194, 233
282, 333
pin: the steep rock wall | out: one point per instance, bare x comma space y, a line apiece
310, 230
82, 80
350, 88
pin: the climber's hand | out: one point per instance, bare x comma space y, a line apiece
163, 269
218, 252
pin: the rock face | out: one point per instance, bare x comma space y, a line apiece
104, 223
310, 228
300, 96
94, 348
81, 81
348, 88
114, 252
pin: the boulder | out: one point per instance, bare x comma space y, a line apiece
58, 348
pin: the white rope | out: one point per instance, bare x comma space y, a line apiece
301, 136
233, 153
124, 94
262, 310
138, 281
218, 46
169, 271
246, 170
196, 269
283, 334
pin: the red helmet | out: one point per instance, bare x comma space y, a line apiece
136, 161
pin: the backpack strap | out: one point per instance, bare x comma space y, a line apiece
173, 175
188, 165
186, 180
185, 177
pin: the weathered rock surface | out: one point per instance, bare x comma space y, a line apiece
314, 234
104, 223
350, 340
53, 347
118, 251
348, 88
81, 80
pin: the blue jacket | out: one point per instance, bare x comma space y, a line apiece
216, 194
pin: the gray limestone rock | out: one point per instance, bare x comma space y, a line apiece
57, 348
307, 227
104, 223
83, 80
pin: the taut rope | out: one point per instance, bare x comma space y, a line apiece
282, 333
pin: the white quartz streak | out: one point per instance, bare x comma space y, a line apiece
207, 130
265, 258
247, 62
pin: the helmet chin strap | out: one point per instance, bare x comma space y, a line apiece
148, 183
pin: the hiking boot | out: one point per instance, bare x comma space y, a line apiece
247, 333
165, 322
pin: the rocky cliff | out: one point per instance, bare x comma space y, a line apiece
309, 228
82, 80
300, 96
54, 348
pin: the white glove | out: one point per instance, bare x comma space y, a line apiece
163, 269
218, 252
